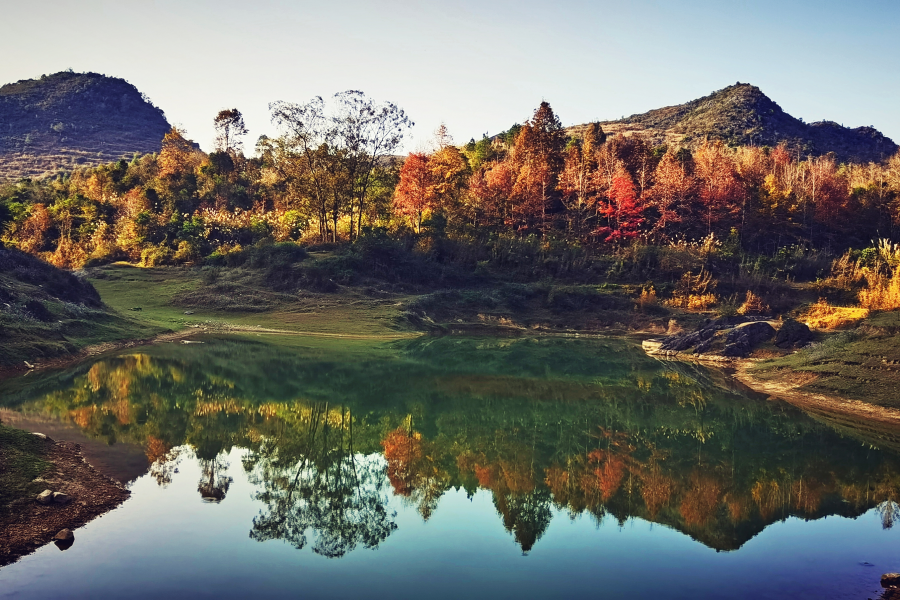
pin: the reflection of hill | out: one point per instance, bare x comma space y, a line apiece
588, 426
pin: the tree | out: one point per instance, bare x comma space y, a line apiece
449, 173
623, 210
669, 194
229, 124
341, 146
720, 189
577, 182
538, 152
178, 154
415, 192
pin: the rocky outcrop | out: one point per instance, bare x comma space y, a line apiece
730, 338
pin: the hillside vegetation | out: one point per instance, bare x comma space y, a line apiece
46, 312
71, 120
742, 115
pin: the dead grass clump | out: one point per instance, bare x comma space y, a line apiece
822, 315
694, 292
648, 297
753, 305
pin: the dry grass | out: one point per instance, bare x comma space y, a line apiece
694, 292
883, 293
822, 315
753, 305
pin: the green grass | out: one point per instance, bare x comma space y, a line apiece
70, 317
164, 294
861, 364
21, 461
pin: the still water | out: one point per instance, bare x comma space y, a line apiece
456, 467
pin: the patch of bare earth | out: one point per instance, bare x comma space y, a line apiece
28, 524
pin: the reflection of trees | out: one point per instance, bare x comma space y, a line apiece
412, 469
659, 441
316, 481
214, 481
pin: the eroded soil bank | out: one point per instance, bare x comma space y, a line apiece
27, 524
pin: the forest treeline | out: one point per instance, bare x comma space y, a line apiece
332, 175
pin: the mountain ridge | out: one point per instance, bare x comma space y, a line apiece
741, 114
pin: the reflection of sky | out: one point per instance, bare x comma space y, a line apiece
167, 543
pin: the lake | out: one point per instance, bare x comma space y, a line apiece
448, 467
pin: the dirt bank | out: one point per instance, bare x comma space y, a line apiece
27, 524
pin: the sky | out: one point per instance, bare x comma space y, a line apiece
477, 66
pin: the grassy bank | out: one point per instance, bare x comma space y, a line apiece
47, 313
22, 459
861, 363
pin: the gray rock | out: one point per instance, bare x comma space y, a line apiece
64, 535
40, 435
60, 498
890, 580
755, 333
45, 497
793, 334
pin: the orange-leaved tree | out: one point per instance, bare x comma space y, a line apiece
415, 194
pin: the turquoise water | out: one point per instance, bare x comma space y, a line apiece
458, 467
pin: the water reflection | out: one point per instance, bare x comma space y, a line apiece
589, 427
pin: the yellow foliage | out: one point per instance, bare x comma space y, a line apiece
822, 315
693, 301
883, 293
648, 297
753, 305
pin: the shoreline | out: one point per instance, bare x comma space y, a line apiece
61, 362
32, 525
786, 386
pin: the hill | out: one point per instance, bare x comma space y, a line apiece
742, 115
46, 313
69, 120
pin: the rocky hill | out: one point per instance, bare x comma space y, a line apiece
742, 115
70, 120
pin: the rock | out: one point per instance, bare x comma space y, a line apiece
135, 308
793, 334
60, 498
755, 332
41, 436
64, 539
188, 312
890, 580
45, 497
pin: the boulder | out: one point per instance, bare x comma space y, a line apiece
60, 498
45, 497
793, 334
890, 580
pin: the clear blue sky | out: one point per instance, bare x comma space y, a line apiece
479, 66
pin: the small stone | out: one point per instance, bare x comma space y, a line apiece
890, 580
40, 435
188, 312
64, 539
60, 498
45, 497
64, 535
